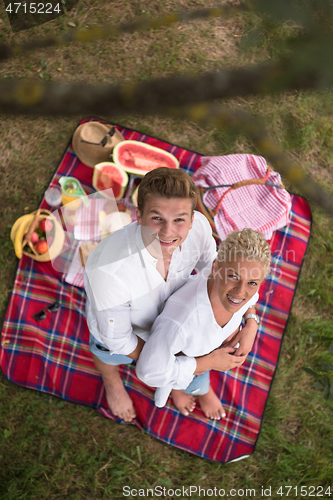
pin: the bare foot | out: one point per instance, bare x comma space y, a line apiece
117, 397
211, 406
119, 400
183, 402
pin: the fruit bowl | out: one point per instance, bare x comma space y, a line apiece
23, 236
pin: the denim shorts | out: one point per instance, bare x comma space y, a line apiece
199, 385
103, 353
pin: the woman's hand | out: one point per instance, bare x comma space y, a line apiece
221, 360
245, 338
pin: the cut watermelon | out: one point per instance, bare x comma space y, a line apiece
110, 176
139, 158
135, 196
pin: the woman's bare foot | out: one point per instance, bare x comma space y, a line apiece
211, 406
117, 397
183, 402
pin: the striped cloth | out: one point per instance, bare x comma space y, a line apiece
263, 208
53, 356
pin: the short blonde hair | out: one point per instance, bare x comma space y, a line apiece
246, 244
168, 183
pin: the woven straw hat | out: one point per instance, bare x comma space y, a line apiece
94, 132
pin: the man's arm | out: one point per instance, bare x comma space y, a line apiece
222, 359
108, 313
135, 354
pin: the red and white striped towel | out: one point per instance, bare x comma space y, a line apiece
76, 270
260, 207
87, 227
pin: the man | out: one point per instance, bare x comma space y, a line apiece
132, 272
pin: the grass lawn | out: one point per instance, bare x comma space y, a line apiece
56, 450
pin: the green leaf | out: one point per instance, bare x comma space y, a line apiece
138, 450
117, 472
311, 372
327, 366
317, 385
330, 349
330, 396
327, 388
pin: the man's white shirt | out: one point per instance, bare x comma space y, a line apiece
125, 291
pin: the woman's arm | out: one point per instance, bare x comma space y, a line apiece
158, 364
246, 336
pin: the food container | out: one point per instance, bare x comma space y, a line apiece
72, 192
53, 197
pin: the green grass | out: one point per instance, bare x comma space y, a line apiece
53, 449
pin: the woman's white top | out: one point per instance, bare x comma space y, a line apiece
187, 324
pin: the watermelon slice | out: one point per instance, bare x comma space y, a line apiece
135, 196
139, 158
110, 176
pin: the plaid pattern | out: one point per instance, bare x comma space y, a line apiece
53, 355
263, 208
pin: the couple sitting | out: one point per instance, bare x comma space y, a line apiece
143, 305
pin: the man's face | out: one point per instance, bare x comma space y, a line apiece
165, 223
236, 282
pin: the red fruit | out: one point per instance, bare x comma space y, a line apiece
41, 246
46, 225
34, 237
121, 207
110, 176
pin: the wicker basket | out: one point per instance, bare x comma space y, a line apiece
57, 242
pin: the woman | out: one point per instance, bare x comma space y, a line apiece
198, 318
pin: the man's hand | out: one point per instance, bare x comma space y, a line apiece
221, 360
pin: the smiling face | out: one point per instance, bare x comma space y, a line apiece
165, 223
235, 283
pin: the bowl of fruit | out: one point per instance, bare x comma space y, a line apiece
38, 235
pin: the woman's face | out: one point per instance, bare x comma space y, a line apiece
236, 282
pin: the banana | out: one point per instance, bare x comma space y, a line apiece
21, 229
16, 225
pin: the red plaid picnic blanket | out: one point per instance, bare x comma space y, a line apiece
53, 355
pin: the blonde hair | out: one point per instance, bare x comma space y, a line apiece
169, 183
246, 244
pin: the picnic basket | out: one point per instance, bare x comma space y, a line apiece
24, 227
210, 213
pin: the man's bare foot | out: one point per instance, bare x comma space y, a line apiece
183, 402
117, 397
119, 400
211, 406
